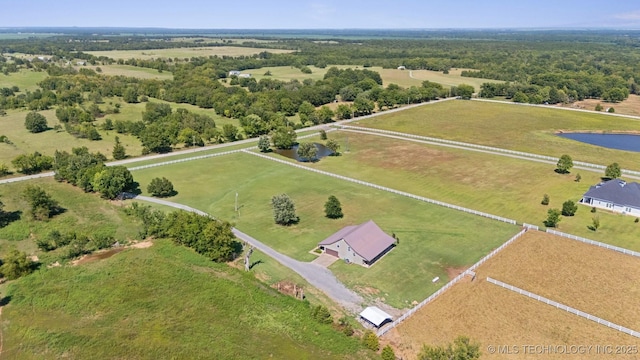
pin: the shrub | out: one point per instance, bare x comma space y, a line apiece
370, 340
569, 208
553, 218
321, 314
161, 187
545, 200
387, 353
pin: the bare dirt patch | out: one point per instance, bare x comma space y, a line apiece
142, 245
99, 255
289, 288
589, 278
452, 272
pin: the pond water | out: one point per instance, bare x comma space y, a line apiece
292, 153
626, 142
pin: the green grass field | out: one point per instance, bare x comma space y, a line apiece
161, 302
433, 239
389, 76
185, 52
130, 71
84, 213
522, 128
49, 141
499, 185
23, 79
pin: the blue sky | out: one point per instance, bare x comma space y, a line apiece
324, 14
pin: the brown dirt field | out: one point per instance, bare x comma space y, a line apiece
539, 263
631, 106
579, 275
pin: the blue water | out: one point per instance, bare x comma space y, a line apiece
611, 141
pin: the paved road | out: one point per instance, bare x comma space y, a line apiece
316, 275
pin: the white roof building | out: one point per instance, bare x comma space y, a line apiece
375, 316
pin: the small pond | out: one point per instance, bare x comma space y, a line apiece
292, 153
626, 142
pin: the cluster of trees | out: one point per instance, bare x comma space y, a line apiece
462, 348
41, 205
88, 172
32, 163
73, 244
207, 236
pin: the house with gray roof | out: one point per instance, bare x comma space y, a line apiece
360, 244
614, 195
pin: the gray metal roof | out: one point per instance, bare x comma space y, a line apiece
366, 239
375, 315
617, 192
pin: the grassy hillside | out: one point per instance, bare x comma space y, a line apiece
160, 303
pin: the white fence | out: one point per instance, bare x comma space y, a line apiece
482, 147
182, 160
470, 271
566, 308
532, 227
596, 243
384, 188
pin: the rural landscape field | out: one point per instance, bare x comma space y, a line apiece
318, 186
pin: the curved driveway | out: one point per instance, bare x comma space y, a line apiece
316, 275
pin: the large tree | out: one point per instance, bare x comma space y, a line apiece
35, 122
161, 187
569, 208
333, 208
284, 210
465, 91
333, 146
112, 181
284, 137
613, 171
307, 151
565, 163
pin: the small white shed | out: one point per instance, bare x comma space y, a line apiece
375, 316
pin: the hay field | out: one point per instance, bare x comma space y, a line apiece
24, 79
630, 106
185, 52
495, 316
515, 127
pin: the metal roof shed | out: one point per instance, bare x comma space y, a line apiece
375, 316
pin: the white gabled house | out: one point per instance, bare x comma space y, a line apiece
234, 73
614, 195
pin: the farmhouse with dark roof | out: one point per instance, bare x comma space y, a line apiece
614, 195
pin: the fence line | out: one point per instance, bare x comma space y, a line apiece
483, 147
596, 243
565, 308
470, 271
182, 160
530, 226
384, 188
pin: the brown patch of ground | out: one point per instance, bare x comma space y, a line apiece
401, 155
289, 288
98, 255
452, 272
367, 290
142, 245
586, 277
630, 106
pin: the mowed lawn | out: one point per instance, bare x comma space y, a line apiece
185, 52
583, 276
433, 239
453, 78
510, 126
23, 79
162, 302
499, 185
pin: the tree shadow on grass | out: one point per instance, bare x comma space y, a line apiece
7, 218
255, 263
5, 300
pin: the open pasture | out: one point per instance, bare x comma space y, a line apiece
433, 239
515, 127
495, 316
130, 71
24, 79
499, 185
185, 52
49, 141
630, 106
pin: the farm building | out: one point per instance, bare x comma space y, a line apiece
246, 76
402, 67
234, 73
614, 195
359, 244
375, 316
